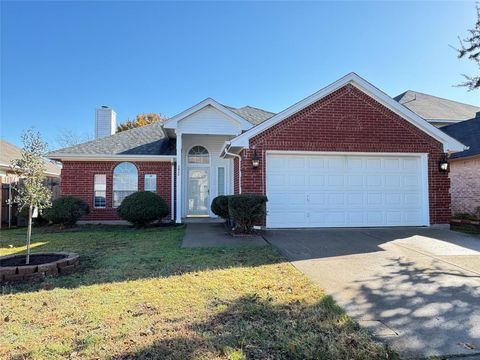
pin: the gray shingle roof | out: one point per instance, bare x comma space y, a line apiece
145, 140
434, 108
9, 152
468, 133
252, 114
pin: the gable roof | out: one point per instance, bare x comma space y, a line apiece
9, 152
148, 140
432, 107
449, 143
172, 122
468, 132
252, 114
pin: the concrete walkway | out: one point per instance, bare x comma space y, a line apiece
418, 289
200, 235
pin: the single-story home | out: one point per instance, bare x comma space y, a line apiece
348, 155
465, 167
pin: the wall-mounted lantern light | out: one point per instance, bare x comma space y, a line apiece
443, 164
255, 159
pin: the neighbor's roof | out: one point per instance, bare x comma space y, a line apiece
9, 152
432, 107
251, 114
468, 133
145, 140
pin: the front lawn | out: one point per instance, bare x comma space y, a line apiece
137, 294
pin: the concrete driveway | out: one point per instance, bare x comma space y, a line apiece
418, 289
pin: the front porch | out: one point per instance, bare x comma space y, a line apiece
202, 175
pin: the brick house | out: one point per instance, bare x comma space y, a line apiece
465, 167
346, 156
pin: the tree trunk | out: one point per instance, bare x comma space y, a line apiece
29, 233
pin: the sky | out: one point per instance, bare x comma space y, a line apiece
61, 60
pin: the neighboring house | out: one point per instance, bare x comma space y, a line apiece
465, 167
9, 152
437, 111
348, 155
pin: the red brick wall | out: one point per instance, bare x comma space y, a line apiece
78, 180
236, 178
349, 120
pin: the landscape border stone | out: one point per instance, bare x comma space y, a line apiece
24, 273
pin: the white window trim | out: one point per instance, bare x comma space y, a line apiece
94, 192
113, 182
224, 179
145, 182
196, 164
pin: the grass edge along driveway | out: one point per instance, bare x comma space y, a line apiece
137, 294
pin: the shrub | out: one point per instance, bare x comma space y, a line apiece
143, 207
66, 210
246, 210
465, 216
220, 206
39, 220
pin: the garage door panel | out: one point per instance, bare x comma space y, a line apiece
348, 190
316, 179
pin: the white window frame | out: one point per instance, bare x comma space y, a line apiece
224, 180
119, 183
150, 177
95, 191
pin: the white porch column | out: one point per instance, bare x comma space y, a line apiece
178, 217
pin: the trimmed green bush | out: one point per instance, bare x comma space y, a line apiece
142, 208
39, 220
66, 210
246, 210
220, 206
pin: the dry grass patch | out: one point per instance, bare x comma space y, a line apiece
137, 294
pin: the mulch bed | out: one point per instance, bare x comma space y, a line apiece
35, 259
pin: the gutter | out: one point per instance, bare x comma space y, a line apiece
110, 157
224, 153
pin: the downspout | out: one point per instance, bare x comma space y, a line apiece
172, 191
239, 169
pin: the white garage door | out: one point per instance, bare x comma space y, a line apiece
346, 190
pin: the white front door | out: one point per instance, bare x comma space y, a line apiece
322, 190
198, 192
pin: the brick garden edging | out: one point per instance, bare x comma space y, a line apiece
64, 265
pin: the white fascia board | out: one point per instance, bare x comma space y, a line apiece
172, 123
449, 143
109, 157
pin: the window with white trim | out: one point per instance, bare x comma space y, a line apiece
220, 181
198, 155
150, 183
100, 191
125, 182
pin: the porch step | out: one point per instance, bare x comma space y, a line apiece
201, 220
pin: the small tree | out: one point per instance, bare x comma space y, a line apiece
32, 192
470, 49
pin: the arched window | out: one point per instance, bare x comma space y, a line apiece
198, 155
125, 182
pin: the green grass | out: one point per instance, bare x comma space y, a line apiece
137, 294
